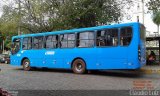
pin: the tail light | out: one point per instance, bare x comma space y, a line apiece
139, 53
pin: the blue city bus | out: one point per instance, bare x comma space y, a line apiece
118, 46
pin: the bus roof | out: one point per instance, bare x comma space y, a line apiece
78, 30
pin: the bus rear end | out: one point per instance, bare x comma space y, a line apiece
141, 46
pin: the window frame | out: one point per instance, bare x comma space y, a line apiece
108, 29
91, 31
43, 40
72, 40
59, 41
120, 36
27, 43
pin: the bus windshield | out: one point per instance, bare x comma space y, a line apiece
15, 46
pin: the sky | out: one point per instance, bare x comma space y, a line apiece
133, 13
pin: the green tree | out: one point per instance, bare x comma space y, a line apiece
153, 6
156, 20
154, 9
8, 24
49, 15
87, 13
8, 21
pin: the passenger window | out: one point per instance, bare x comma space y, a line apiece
67, 40
27, 43
125, 36
85, 39
107, 37
63, 41
38, 42
71, 40
51, 41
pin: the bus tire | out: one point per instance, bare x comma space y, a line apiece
26, 65
79, 66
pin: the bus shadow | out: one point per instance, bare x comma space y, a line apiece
48, 70
116, 73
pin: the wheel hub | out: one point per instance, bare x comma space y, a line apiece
79, 67
26, 64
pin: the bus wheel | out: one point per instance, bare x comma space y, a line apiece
26, 65
79, 66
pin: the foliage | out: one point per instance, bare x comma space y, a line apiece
87, 13
153, 6
47, 15
156, 19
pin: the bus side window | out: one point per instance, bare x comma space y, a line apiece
38, 42
85, 39
101, 38
112, 35
67, 40
63, 41
71, 40
108, 37
27, 43
49, 43
55, 41
125, 36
